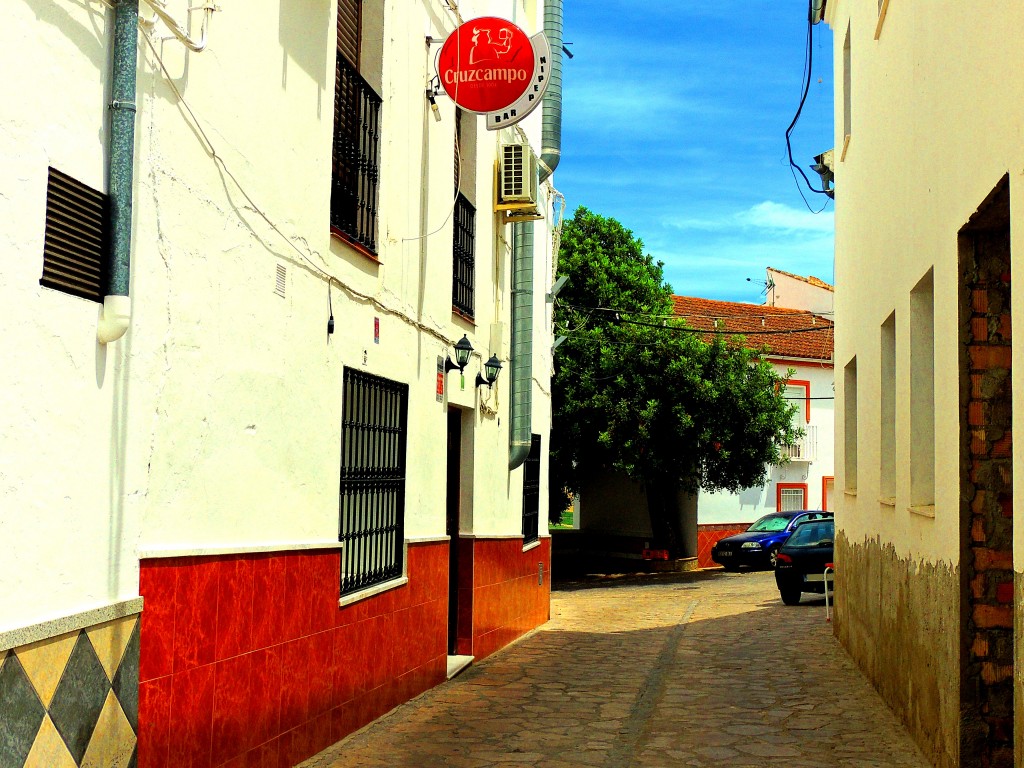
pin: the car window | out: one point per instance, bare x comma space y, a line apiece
769, 524
815, 533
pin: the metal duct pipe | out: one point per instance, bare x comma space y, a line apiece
551, 136
116, 303
521, 363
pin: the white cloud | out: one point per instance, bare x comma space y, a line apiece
776, 216
768, 217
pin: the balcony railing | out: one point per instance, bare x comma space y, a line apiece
805, 448
356, 157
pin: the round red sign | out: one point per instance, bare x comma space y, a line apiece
486, 64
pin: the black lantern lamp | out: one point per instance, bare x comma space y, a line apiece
463, 349
491, 370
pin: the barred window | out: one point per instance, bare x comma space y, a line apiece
372, 494
463, 256
531, 492
355, 154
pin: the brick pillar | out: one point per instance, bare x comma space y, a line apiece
987, 488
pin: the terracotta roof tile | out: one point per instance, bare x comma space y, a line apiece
786, 332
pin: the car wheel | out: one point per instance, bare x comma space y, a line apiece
790, 595
772, 553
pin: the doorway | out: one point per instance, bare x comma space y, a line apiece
454, 510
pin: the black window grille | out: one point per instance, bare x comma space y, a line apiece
531, 492
356, 156
372, 495
463, 267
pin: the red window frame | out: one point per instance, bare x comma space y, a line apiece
824, 490
788, 487
807, 395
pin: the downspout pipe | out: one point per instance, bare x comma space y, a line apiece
551, 133
521, 363
121, 148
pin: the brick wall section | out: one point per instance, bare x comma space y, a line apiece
987, 685
709, 535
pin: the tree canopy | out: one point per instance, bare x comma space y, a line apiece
636, 391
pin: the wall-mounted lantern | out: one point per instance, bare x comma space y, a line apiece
463, 349
491, 370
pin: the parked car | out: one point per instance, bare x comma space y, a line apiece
756, 547
800, 564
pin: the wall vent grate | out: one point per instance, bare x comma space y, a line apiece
282, 276
75, 237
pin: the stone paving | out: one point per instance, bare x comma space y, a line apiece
706, 669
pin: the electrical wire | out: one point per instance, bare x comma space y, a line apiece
675, 316
458, 149
211, 150
808, 67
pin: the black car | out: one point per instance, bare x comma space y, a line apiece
800, 564
756, 546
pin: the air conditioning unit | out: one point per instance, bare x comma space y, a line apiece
516, 183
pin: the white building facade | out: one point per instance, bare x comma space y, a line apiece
266, 513
798, 332
928, 238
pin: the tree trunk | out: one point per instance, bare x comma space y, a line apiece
663, 508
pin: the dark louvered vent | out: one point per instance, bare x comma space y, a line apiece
75, 237
348, 30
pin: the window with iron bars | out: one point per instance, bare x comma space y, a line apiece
463, 256
531, 492
372, 493
356, 151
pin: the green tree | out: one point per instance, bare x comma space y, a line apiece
635, 391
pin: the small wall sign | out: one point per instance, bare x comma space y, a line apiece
440, 379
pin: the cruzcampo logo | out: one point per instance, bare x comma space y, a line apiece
486, 65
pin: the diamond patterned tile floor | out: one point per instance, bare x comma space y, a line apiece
79, 698
49, 749
72, 701
21, 713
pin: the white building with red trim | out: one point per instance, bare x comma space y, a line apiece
800, 342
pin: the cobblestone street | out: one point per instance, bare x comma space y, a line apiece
707, 669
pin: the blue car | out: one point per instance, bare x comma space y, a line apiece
757, 546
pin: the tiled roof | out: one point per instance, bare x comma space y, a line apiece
817, 282
786, 332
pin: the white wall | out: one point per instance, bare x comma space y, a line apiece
926, 148
796, 293
66, 543
750, 504
216, 421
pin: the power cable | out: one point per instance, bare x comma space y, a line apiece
210, 150
808, 68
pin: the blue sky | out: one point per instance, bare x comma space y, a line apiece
674, 122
